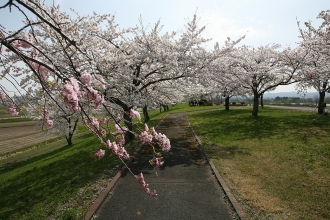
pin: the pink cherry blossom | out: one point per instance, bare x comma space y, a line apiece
2, 94
121, 140
71, 98
27, 44
68, 88
134, 114
100, 153
140, 179
119, 130
12, 109
86, 78
16, 69
49, 123
162, 140
146, 128
94, 123
39, 68
98, 84
17, 44
95, 95
74, 84
157, 162
144, 137
117, 149
103, 120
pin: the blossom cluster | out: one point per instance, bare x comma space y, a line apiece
12, 109
157, 162
134, 114
140, 179
152, 137
72, 94
2, 95
159, 138
162, 140
48, 122
118, 148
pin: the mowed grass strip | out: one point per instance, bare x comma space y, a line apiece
156, 115
278, 165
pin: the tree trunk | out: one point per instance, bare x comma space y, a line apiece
255, 105
71, 131
127, 120
69, 139
321, 104
262, 100
145, 113
128, 123
227, 103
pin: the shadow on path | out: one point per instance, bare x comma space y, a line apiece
186, 185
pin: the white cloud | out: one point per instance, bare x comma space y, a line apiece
220, 27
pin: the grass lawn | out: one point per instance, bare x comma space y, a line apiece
277, 165
156, 116
56, 184
54, 181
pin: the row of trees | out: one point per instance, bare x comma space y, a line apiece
247, 71
68, 69
87, 68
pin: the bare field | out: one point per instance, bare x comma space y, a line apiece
17, 135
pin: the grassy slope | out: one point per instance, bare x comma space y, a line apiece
278, 164
54, 181
42, 186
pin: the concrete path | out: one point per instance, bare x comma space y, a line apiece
186, 185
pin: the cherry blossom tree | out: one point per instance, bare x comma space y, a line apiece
220, 79
152, 61
39, 109
78, 66
263, 69
317, 68
60, 58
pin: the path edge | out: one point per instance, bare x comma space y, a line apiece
104, 194
237, 207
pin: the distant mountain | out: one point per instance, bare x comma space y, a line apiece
293, 94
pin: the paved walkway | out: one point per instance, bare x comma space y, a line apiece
186, 185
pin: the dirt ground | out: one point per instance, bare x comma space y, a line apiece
20, 134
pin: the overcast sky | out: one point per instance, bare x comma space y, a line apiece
263, 21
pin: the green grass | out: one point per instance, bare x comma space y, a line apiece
55, 183
53, 180
156, 116
14, 119
278, 164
